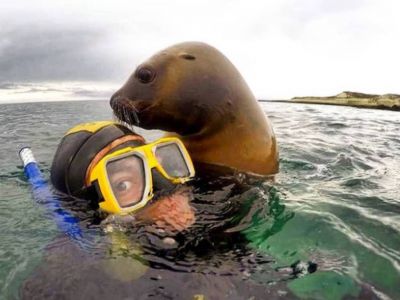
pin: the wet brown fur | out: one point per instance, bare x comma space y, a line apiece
198, 95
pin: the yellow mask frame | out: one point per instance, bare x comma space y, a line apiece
147, 154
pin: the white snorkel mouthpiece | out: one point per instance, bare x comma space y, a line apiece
26, 156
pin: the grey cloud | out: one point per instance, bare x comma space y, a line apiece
20, 88
93, 93
75, 92
307, 11
36, 90
41, 53
297, 14
8, 86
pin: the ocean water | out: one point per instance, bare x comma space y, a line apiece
327, 228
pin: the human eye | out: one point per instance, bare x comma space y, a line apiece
123, 186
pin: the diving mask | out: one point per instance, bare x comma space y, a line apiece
123, 179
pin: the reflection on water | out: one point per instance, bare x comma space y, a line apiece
328, 228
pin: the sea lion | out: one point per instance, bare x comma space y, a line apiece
193, 91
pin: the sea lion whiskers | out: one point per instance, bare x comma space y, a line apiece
133, 112
117, 118
126, 111
127, 116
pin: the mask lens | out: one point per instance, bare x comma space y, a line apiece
172, 160
127, 179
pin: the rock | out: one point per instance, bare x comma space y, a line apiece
387, 101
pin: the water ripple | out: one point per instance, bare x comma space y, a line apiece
335, 203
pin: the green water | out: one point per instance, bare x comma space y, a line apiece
335, 202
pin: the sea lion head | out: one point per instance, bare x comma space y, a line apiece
180, 89
193, 90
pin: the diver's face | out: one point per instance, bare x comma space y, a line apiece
172, 212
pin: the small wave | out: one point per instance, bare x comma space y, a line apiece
360, 183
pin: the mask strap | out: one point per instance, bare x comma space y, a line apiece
91, 193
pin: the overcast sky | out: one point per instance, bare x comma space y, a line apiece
58, 50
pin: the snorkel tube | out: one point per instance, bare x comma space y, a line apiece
122, 267
42, 194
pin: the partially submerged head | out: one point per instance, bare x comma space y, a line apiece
113, 167
179, 89
193, 91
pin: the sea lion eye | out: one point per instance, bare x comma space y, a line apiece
145, 74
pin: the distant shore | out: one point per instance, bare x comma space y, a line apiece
387, 101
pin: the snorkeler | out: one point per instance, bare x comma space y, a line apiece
112, 167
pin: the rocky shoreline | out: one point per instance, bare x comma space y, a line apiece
387, 101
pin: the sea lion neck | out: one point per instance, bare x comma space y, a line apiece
244, 148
